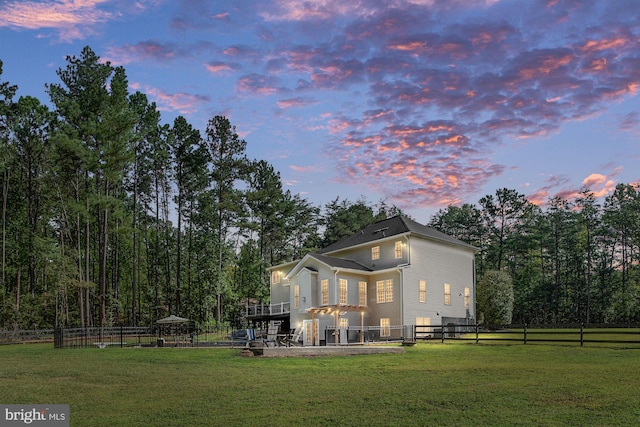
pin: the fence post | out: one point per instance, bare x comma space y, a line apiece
525, 333
442, 332
58, 337
121, 335
582, 334
477, 334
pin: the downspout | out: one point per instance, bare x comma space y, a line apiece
408, 251
400, 269
475, 300
336, 333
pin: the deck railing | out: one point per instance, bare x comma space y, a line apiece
268, 309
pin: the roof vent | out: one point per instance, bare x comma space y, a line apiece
381, 230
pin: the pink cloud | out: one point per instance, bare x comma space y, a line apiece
305, 169
258, 84
147, 50
73, 19
631, 121
217, 67
594, 179
184, 103
297, 102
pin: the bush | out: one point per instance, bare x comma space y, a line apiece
495, 298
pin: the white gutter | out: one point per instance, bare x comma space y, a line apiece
400, 269
408, 250
335, 287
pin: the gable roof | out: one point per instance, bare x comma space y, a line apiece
331, 262
340, 262
394, 226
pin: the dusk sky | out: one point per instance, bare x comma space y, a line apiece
422, 103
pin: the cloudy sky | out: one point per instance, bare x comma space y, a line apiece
421, 103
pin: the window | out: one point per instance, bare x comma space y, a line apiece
362, 293
447, 294
343, 291
388, 290
324, 289
275, 277
380, 291
398, 250
421, 330
422, 291
384, 291
344, 323
385, 327
467, 297
375, 252
296, 296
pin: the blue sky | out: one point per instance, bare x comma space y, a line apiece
421, 103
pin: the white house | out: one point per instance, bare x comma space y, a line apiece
393, 273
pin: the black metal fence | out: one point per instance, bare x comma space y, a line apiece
151, 336
105, 337
26, 336
626, 335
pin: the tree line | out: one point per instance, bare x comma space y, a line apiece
112, 217
575, 261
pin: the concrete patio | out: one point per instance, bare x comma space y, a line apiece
324, 350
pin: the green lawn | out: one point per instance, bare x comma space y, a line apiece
430, 384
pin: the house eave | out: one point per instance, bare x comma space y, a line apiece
369, 243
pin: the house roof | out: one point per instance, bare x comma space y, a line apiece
340, 262
389, 227
331, 262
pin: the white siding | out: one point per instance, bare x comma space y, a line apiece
437, 264
387, 253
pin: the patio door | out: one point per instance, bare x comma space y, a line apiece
311, 332
344, 330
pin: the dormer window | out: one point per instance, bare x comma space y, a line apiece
375, 253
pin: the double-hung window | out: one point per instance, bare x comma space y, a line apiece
362, 293
447, 294
398, 249
343, 291
384, 290
422, 291
324, 291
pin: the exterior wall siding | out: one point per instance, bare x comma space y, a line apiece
438, 264
387, 259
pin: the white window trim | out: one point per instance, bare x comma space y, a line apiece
422, 291
344, 291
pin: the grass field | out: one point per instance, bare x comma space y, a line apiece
430, 384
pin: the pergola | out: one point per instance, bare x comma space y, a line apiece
337, 310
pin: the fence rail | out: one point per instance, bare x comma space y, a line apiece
577, 334
625, 335
26, 336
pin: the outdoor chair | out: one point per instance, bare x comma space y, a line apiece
272, 334
293, 338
